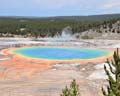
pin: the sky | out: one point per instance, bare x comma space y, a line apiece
45, 8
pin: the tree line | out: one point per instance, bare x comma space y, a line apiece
43, 28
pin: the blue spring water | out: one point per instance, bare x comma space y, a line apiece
61, 53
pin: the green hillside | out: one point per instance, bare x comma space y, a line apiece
49, 26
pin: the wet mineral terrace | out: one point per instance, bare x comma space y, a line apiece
21, 76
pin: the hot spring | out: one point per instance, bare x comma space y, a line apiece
49, 53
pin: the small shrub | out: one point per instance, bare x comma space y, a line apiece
73, 90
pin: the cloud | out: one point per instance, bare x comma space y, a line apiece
47, 4
112, 4
58, 7
43, 4
56, 4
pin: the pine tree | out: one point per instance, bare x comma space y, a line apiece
113, 74
73, 90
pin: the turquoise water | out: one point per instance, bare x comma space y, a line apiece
61, 53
